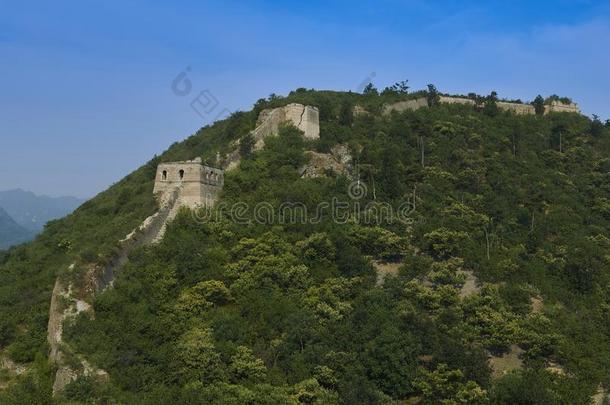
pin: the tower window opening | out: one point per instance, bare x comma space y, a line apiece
181, 174
164, 175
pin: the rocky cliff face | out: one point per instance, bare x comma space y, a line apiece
339, 162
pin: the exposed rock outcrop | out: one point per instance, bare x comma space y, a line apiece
385, 270
470, 286
501, 365
9, 369
601, 395
359, 110
320, 164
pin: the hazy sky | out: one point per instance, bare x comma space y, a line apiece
86, 86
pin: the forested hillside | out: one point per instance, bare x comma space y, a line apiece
501, 292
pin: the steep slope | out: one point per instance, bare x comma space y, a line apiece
265, 306
11, 233
84, 238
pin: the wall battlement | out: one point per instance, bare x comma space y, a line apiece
200, 185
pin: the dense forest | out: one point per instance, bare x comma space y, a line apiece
267, 312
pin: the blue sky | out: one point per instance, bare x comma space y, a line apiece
86, 86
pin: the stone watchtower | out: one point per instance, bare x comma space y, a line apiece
199, 185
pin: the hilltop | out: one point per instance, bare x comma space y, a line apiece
468, 263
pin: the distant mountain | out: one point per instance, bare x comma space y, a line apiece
33, 211
11, 233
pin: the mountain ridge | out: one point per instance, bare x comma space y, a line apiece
288, 310
33, 211
11, 233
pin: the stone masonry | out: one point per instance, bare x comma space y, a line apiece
558, 106
200, 185
517, 108
305, 118
177, 184
456, 100
406, 105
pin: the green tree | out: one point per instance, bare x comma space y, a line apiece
597, 127
370, 90
203, 296
198, 356
538, 104
346, 114
246, 145
397, 88
490, 107
446, 386
246, 367
432, 96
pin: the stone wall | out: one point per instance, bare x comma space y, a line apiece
558, 106
407, 105
521, 109
457, 100
305, 118
517, 108
177, 184
66, 304
201, 185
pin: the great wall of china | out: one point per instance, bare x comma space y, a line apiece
517, 108
177, 184
192, 184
